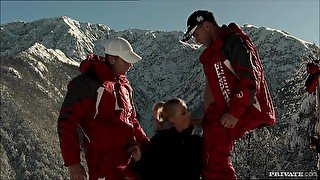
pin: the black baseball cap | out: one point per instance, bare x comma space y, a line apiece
194, 20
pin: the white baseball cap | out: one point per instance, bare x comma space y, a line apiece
120, 47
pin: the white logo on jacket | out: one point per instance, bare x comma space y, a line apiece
240, 94
222, 81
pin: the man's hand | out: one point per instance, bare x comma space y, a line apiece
136, 153
134, 150
228, 121
77, 172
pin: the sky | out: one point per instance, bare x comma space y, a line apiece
298, 17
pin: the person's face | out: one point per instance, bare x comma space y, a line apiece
119, 65
202, 34
182, 116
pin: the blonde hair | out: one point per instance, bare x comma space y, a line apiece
167, 109
157, 107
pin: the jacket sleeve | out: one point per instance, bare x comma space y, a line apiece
72, 113
139, 133
241, 60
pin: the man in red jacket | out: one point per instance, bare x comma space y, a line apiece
237, 98
99, 104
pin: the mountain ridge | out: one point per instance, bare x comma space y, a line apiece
39, 58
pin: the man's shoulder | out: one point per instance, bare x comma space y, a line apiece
84, 82
85, 78
233, 43
232, 38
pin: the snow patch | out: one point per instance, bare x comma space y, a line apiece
11, 72
47, 55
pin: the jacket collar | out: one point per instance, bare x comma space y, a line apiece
101, 69
217, 45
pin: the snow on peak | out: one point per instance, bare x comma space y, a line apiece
74, 38
41, 58
40, 51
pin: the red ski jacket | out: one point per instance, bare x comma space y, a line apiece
236, 79
312, 81
99, 104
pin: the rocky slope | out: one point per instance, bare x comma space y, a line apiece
38, 59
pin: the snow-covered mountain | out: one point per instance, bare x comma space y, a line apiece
39, 58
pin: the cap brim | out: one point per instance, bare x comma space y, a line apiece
130, 57
186, 37
189, 34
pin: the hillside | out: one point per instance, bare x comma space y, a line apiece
39, 58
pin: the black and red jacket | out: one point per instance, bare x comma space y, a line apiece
236, 79
99, 103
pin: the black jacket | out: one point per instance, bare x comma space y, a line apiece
172, 155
